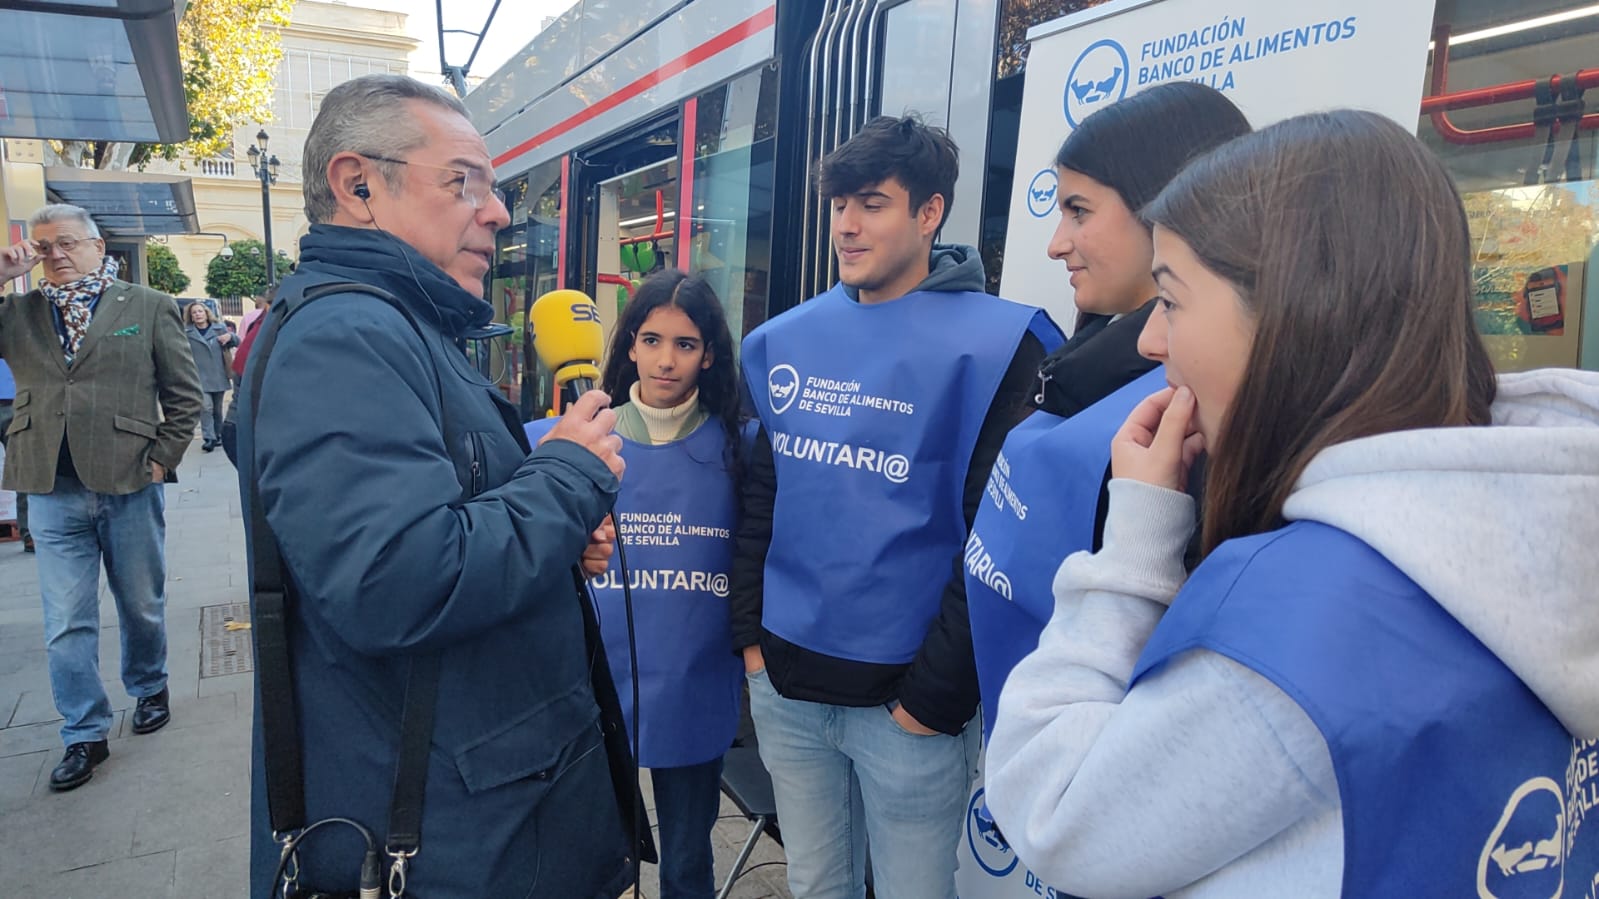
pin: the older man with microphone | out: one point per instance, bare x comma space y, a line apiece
430, 715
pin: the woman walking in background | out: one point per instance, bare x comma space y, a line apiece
211, 344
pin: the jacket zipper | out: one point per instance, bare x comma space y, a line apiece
475, 444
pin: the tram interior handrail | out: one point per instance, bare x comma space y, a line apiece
1439, 101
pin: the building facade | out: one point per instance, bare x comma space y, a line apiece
324, 45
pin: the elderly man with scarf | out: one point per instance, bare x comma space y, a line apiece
107, 398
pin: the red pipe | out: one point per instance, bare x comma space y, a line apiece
560, 253
1503, 93
617, 280
1440, 100
626, 241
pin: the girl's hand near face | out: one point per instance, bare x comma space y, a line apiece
1159, 442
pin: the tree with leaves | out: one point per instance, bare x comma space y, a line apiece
244, 273
1016, 16
166, 275
230, 51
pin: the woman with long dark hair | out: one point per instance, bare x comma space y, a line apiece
710, 391
1380, 681
1047, 496
673, 381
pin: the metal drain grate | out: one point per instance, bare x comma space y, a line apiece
225, 651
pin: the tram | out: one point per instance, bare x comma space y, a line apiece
635, 136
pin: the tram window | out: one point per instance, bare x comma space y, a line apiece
914, 34
525, 268
1535, 226
729, 230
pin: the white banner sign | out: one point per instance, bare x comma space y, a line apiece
1273, 59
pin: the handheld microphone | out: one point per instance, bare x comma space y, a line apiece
568, 339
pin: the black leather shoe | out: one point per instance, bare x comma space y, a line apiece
77, 766
27, 544
152, 713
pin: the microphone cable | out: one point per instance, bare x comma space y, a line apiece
371, 880
405, 253
638, 713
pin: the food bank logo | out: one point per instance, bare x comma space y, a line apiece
1098, 78
988, 846
1524, 857
782, 387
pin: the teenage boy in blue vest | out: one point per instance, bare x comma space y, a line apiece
882, 403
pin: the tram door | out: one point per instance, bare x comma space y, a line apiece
629, 194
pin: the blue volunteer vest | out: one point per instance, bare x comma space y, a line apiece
675, 517
873, 411
1039, 508
1455, 780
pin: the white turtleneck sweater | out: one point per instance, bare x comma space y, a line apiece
662, 425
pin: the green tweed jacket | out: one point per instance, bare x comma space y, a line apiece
131, 396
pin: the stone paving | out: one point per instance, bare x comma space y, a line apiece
167, 817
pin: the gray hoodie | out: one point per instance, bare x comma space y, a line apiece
1207, 780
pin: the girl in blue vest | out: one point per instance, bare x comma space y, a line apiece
1047, 500
671, 369
1381, 679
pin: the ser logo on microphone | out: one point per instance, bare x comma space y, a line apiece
585, 312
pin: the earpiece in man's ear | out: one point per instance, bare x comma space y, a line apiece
364, 192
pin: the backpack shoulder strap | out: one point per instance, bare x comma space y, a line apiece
270, 588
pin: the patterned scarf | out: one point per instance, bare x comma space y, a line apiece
73, 300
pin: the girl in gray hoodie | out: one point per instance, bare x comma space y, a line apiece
1382, 680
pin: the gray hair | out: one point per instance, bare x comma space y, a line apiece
365, 115
63, 212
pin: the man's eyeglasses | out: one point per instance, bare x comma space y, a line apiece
65, 244
477, 185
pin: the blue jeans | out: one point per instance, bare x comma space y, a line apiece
73, 528
687, 800
844, 776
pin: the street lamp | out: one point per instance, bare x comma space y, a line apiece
226, 252
265, 168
